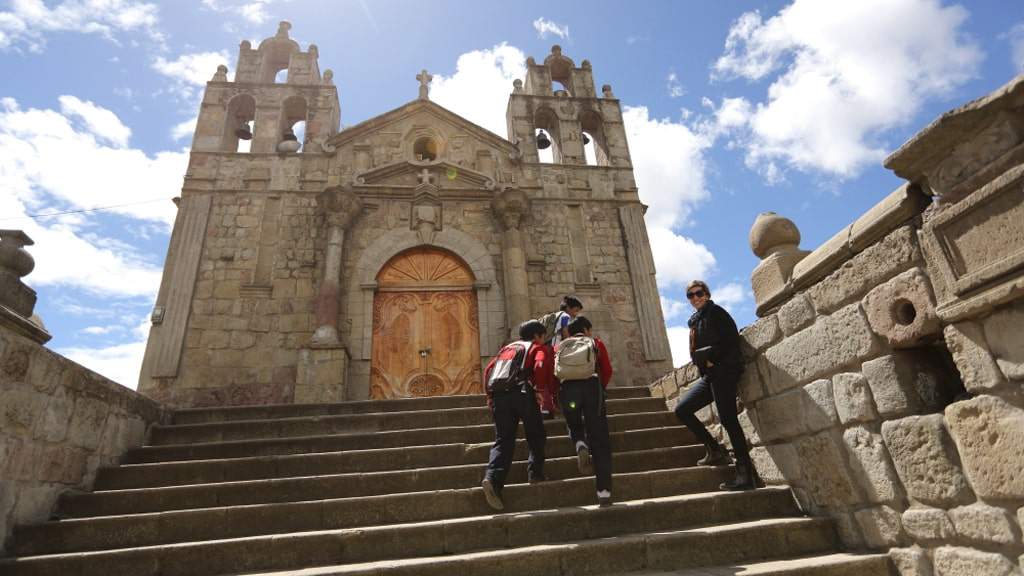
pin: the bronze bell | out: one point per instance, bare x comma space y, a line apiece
543, 142
586, 139
243, 132
289, 135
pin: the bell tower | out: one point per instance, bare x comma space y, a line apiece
558, 108
278, 101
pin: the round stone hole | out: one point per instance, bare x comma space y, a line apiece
904, 312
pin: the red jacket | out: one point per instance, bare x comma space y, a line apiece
540, 361
604, 363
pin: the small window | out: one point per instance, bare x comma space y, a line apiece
281, 77
589, 153
425, 149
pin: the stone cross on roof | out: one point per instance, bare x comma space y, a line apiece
424, 79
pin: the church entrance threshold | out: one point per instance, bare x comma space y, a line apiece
426, 334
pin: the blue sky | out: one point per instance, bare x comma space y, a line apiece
732, 109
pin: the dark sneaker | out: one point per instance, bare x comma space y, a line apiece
716, 456
492, 496
744, 478
604, 501
583, 461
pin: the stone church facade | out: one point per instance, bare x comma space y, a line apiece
393, 258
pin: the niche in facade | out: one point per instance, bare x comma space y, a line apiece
425, 149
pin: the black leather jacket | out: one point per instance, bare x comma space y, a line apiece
713, 326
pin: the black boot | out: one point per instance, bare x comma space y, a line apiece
744, 477
717, 455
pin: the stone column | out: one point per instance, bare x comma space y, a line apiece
510, 205
338, 206
645, 288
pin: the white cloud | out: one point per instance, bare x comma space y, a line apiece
674, 86
99, 121
191, 71
730, 296
28, 21
673, 309
120, 363
679, 344
545, 28
99, 330
479, 88
252, 11
847, 72
185, 129
1016, 38
49, 164
678, 259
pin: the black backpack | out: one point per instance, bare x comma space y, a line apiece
509, 371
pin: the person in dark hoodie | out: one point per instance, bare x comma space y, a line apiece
715, 350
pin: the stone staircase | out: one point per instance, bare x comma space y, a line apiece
393, 487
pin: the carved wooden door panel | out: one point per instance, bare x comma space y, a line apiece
425, 327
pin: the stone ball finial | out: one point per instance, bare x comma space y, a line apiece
517, 85
328, 76
585, 65
607, 91
771, 232
556, 50
245, 45
314, 50
283, 27
530, 61
221, 75
13, 256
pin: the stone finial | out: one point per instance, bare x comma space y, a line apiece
586, 65
424, 79
517, 86
16, 299
607, 91
511, 204
282, 29
771, 233
328, 76
556, 50
339, 205
245, 45
314, 50
221, 75
776, 241
530, 61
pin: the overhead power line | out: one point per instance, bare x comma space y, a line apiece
97, 209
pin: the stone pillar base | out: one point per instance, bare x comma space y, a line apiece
320, 376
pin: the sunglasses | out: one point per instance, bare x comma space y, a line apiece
695, 294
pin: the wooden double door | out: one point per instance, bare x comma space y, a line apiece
426, 333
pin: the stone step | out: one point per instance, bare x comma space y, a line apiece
838, 564
672, 435
445, 547
405, 458
635, 515
270, 411
663, 482
653, 408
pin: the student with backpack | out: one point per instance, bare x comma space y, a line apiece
583, 366
513, 380
555, 329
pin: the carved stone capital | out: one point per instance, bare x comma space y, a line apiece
339, 206
510, 205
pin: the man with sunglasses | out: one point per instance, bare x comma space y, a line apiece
715, 350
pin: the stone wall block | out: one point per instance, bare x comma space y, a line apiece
848, 529
911, 561
767, 470
853, 399
871, 465
984, 524
893, 385
87, 422
760, 335
978, 369
750, 387
796, 314
748, 421
1003, 332
781, 417
825, 475
831, 343
926, 524
881, 527
669, 386
990, 435
956, 561
903, 309
925, 459
877, 263
819, 407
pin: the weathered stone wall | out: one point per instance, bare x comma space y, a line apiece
59, 422
884, 379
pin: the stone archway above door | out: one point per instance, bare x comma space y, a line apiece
363, 285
